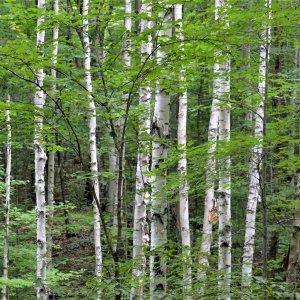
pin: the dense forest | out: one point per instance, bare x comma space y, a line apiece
150, 149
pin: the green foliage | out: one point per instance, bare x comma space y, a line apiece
65, 115
15, 283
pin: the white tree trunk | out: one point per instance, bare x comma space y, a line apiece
210, 205
159, 205
92, 142
182, 168
7, 201
143, 180
255, 161
128, 24
224, 203
40, 161
222, 73
51, 158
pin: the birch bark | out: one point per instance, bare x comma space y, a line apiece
51, 158
92, 142
222, 71
255, 163
210, 205
7, 201
224, 201
142, 195
182, 169
40, 161
159, 205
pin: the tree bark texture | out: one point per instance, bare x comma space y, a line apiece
222, 92
159, 205
255, 165
92, 142
40, 161
182, 169
7, 200
143, 180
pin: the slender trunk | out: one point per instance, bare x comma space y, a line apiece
51, 159
7, 201
224, 202
40, 161
121, 149
92, 142
182, 169
210, 206
255, 166
222, 92
219, 124
142, 194
159, 205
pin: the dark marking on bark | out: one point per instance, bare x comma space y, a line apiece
159, 287
158, 217
225, 245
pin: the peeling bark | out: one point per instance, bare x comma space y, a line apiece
7, 201
40, 162
182, 169
159, 205
92, 143
255, 164
143, 180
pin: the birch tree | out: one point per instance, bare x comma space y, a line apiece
159, 205
218, 208
40, 161
182, 168
92, 142
255, 161
51, 158
7, 201
126, 58
142, 195
222, 92
210, 203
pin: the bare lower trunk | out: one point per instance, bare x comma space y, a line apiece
93, 144
224, 206
40, 161
255, 168
142, 194
7, 201
182, 168
210, 205
159, 205
222, 93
